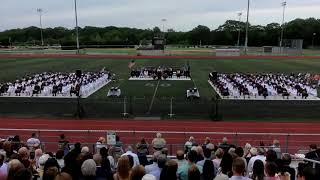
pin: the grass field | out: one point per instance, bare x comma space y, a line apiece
153, 97
12, 69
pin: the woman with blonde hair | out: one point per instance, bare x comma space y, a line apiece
123, 169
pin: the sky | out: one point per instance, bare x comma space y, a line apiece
180, 15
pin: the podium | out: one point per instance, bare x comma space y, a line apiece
193, 93
114, 92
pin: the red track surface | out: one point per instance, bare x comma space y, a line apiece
148, 57
295, 142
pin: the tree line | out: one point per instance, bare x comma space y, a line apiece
226, 34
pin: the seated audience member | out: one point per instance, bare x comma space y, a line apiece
225, 170
33, 142
312, 153
24, 157
189, 144
270, 171
180, 158
218, 157
209, 171
51, 169
85, 149
224, 145
143, 151
310, 173
271, 156
207, 156
118, 148
59, 158
148, 177
3, 167
238, 169
88, 169
137, 172
169, 172
154, 164
257, 170
156, 170
63, 144
100, 143
103, 170
240, 153
286, 159
123, 170
63, 176
37, 154
276, 148
23, 174
13, 167
42, 161
158, 143
129, 152
207, 144
200, 155
107, 160
194, 173
260, 156
183, 170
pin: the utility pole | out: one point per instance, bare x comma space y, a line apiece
247, 28
77, 28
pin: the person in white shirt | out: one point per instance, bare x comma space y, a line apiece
156, 170
33, 142
154, 165
135, 156
261, 156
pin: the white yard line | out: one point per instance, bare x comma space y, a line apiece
154, 95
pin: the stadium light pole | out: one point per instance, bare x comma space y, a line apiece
247, 28
163, 22
77, 28
40, 11
283, 4
239, 31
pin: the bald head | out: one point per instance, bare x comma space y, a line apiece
180, 155
23, 153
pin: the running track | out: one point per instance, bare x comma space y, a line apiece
296, 142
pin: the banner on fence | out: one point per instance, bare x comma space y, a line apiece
111, 138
